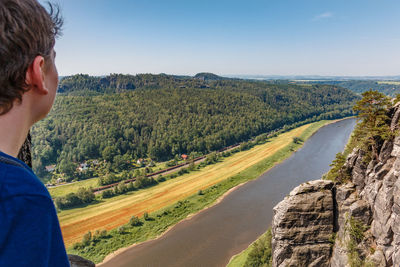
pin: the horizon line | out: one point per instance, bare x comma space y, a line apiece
270, 76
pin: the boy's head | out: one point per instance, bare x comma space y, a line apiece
27, 38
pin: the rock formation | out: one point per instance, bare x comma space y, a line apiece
355, 223
303, 225
77, 261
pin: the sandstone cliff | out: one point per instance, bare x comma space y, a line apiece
352, 223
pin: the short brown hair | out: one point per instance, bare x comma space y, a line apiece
26, 31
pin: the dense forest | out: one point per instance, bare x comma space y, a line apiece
360, 86
82, 84
120, 118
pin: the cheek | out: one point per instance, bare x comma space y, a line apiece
52, 79
54, 74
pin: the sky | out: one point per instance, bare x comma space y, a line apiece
230, 37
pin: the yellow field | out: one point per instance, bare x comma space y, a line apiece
117, 211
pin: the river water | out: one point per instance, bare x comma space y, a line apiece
213, 236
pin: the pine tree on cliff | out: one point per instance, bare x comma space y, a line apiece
374, 123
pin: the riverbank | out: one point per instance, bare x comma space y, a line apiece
274, 151
190, 216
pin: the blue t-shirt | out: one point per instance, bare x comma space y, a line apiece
30, 234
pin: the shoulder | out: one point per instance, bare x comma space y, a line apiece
28, 219
30, 222
22, 195
19, 181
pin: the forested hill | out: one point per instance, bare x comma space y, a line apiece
173, 116
389, 88
83, 84
206, 76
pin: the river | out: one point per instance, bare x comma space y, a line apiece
214, 235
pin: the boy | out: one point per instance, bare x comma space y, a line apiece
30, 234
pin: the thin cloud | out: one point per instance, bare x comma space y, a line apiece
325, 15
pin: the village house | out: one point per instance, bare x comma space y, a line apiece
50, 168
82, 167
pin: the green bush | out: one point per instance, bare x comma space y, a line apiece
338, 172
121, 230
87, 238
182, 171
143, 182
82, 196
297, 140
109, 178
171, 163
122, 188
135, 221
261, 253
356, 230
160, 178
130, 186
173, 175
107, 193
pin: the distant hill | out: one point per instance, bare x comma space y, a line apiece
83, 84
207, 76
113, 83
390, 88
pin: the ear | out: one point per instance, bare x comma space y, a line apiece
35, 76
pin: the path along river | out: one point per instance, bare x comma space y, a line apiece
213, 236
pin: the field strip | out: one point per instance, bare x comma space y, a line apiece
64, 189
117, 211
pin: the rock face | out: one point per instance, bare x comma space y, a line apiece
77, 261
303, 226
353, 224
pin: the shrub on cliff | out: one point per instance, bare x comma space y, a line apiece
374, 121
338, 172
356, 230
